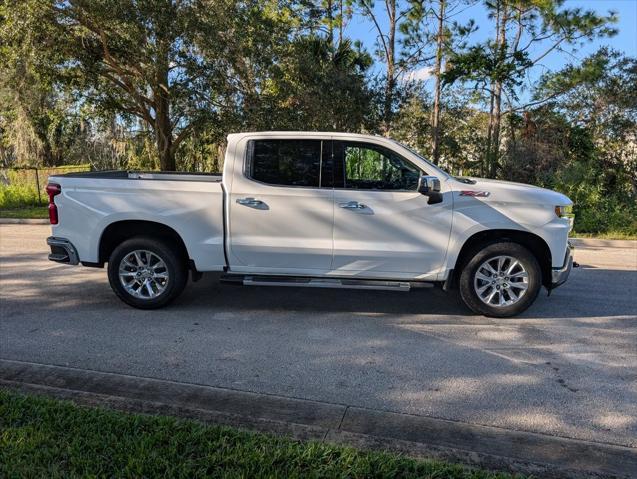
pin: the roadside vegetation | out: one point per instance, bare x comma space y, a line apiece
41, 437
22, 190
159, 84
28, 212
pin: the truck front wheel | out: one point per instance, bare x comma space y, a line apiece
146, 273
501, 280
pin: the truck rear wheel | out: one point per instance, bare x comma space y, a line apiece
501, 280
146, 273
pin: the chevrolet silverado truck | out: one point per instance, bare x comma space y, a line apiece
328, 210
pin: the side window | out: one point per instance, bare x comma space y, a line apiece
373, 167
285, 162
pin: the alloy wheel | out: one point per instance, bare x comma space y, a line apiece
501, 281
143, 274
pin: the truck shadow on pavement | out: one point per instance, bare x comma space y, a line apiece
589, 293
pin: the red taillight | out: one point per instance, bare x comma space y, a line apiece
53, 189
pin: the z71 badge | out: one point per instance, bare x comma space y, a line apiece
475, 194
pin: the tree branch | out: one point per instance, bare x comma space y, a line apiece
371, 15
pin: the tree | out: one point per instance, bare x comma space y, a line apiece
431, 32
324, 88
386, 40
525, 32
328, 17
398, 53
603, 107
134, 58
411, 120
435, 114
313, 86
32, 111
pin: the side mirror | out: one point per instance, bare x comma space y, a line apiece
430, 186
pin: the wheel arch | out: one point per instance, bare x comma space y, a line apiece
119, 231
534, 243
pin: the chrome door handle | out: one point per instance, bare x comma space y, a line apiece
249, 202
353, 205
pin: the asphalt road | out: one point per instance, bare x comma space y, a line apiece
566, 367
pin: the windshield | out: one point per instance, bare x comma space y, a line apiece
435, 167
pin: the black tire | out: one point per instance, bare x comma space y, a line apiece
176, 269
528, 261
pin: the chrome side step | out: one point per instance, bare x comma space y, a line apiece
303, 282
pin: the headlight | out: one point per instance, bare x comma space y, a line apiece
566, 212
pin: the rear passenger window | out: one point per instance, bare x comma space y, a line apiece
285, 162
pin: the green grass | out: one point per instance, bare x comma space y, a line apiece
25, 212
609, 235
42, 437
22, 187
20, 196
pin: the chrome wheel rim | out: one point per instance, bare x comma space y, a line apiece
501, 281
143, 274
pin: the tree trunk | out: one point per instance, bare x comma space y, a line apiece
485, 164
390, 85
163, 125
47, 153
435, 115
330, 23
495, 113
164, 143
341, 23
495, 133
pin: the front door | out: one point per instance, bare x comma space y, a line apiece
382, 226
280, 219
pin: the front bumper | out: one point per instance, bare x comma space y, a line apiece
560, 275
62, 251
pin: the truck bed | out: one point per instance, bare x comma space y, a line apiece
189, 204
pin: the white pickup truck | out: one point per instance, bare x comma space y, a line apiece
316, 210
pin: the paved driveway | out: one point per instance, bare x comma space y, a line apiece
567, 367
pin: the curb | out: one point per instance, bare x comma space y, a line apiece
419, 436
24, 221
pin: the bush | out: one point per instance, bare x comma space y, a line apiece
20, 196
19, 186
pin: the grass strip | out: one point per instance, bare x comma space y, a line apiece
608, 235
42, 437
27, 212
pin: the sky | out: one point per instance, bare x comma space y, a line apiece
625, 40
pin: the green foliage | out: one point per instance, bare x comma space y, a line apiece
585, 142
320, 88
597, 209
16, 196
34, 119
479, 64
158, 84
19, 187
46, 438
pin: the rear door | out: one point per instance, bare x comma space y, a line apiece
280, 219
382, 226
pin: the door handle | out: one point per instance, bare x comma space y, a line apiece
250, 202
353, 205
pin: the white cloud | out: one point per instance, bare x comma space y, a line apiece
421, 74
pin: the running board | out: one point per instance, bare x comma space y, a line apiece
317, 282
